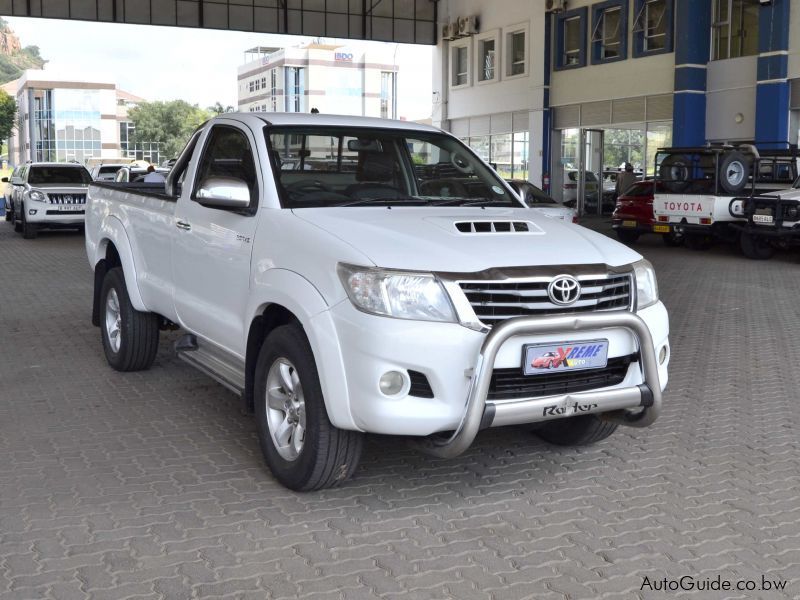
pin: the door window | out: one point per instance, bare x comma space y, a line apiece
228, 154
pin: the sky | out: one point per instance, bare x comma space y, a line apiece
199, 66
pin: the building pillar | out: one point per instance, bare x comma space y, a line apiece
692, 27
546, 113
772, 91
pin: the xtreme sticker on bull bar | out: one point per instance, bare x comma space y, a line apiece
565, 356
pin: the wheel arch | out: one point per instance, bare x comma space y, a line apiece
114, 250
290, 298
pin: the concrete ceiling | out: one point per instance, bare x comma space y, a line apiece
405, 21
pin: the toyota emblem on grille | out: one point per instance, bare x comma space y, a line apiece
564, 290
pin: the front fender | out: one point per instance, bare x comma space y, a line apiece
299, 296
112, 231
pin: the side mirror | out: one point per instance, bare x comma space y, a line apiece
4, 180
223, 192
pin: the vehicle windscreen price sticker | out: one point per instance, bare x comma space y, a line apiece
543, 359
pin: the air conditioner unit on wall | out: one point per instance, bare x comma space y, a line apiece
556, 5
467, 26
446, 32
454, 30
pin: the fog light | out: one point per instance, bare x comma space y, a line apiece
32, 211
392, 383
662, 356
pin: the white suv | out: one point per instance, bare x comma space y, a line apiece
49, 196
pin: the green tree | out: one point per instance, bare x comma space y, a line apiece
171, 124
32, 51
218, 109
8, 115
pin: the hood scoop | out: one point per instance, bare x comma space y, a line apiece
495, 226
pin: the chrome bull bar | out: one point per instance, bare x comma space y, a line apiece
615, 404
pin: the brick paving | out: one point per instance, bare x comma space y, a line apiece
151, 485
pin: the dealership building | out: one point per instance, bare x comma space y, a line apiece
73, 118
585, 86
333, 79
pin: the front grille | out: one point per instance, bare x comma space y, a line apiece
496, 301
67, 198
513, 384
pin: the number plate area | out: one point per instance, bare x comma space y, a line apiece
543, 359
763, 217
661, 229
629, 223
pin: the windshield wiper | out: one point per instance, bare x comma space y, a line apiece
485, 202
393, 199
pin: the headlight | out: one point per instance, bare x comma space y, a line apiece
37, 195
397, 294
646, 284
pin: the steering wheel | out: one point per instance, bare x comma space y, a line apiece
308, 186
460, 163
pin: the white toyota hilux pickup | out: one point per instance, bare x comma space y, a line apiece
352, 275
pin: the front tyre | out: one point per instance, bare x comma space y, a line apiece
29, 231
575, 431
302, 448
756, 247
130, 337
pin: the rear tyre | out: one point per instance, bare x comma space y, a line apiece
756, 247
575, 431
695, 241
130, 337
627, 237
29, 231
302, 448
672, 239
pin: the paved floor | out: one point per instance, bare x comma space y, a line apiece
151, 485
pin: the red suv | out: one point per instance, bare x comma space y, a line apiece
634, 216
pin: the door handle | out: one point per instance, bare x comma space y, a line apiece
183, 225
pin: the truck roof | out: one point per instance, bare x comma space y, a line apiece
325, 120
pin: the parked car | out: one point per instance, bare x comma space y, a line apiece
704, 188
106, 172
49, 196
8, 194
772, 222
633, 215
570, 190
346, 301
610, 186
535, 198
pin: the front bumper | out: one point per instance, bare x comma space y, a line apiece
455, 361
46, 215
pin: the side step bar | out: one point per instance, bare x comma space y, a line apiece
218, 365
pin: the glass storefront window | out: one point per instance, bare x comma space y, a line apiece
659, 135
521, 168
501, 153
621, 146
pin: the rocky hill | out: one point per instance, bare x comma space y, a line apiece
14, 59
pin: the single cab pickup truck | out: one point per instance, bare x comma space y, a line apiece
353, 275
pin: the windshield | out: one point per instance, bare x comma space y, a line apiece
59, 175
350, 166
